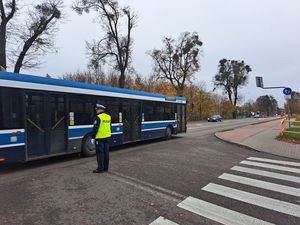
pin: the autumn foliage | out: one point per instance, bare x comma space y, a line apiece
295, 103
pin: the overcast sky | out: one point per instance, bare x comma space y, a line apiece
263, 33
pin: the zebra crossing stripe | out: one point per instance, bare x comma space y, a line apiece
254, 199
269, 166
162, 221
267, 174
218, 213
289, 163
261, 184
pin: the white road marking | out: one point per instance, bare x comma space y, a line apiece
269, 166
267, 174
193, 128
162, 221
218, 213
289, 163
261, 184
265, 202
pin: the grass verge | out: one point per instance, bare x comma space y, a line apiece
291, 134
288, 139
294, 129
226, 130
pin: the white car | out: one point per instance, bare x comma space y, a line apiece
256, 116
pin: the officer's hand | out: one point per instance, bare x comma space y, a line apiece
93, 141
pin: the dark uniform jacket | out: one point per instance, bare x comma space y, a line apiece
97, 122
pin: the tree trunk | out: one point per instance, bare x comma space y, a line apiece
19, 63
21, 57
235, 96
200, 111
3, 45
179, 91
122, 79
234, 115
230, 98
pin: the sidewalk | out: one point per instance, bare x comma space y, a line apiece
261, 137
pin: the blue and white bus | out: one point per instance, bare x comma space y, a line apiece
42, 117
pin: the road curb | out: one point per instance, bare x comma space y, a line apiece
236, 143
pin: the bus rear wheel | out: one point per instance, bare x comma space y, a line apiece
168, 133
87, 147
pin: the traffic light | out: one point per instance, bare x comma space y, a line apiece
259, 82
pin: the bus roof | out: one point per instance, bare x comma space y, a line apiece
58, 85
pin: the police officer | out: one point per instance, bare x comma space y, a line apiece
102, 132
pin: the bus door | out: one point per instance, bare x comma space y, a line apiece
181, 118
58, 129
183, 107
46, 128
35, 125
131, 120
136, 120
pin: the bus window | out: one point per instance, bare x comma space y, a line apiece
10, 109
113, 110
159, 113
83, 109
149, 111
169, 111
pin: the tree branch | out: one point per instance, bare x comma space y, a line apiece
12, 12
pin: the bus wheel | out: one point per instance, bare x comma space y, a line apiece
87, 147
168, 133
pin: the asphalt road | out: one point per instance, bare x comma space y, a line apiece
178, 179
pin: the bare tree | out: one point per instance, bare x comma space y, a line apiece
113, 46
5, 16
37, 35
178, 61
31, 39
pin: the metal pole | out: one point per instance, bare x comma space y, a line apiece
272, 87
289, 112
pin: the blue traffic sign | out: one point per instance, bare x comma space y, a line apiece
287, 91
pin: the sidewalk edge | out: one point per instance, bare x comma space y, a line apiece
236, 143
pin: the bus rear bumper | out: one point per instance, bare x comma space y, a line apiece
13, 154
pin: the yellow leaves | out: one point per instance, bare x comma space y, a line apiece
227, 108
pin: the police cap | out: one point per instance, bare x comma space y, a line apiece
99, 106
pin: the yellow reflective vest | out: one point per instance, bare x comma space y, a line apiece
104, 130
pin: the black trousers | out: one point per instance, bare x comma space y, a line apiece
102, 153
